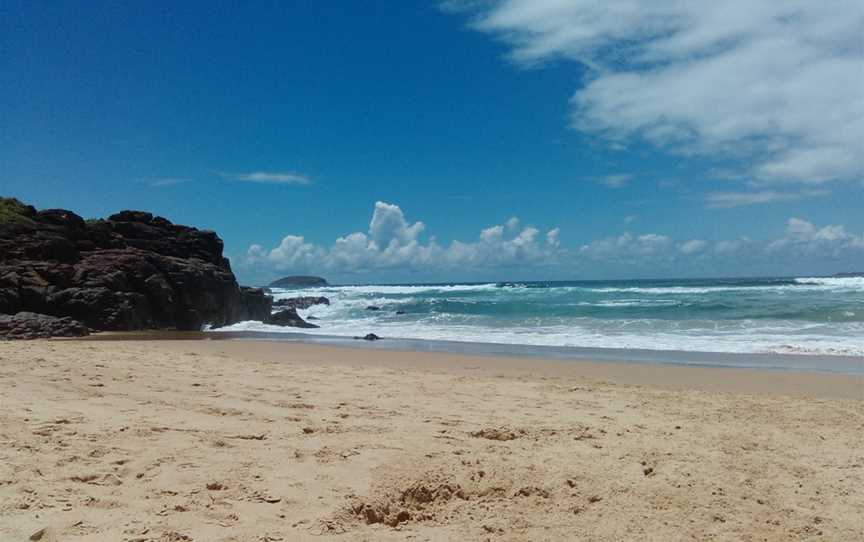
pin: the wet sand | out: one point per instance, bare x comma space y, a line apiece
239, 440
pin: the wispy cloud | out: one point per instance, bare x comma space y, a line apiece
619, 180
774, 86
722, 200
269, 177
159, 182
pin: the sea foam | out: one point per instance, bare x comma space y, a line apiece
808, 315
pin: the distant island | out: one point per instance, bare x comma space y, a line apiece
301, 281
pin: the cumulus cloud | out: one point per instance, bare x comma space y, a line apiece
628, 248
692, 246
776, 85
802, 243
552, 237
292, 253
730, 247
394, 246
389, 226
394, 243
804, 239
269, 177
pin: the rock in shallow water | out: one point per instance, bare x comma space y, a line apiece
289, 318
301, 302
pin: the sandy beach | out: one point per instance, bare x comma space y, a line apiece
264, 441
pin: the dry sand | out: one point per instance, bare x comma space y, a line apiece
242, 441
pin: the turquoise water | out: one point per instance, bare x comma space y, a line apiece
815, 315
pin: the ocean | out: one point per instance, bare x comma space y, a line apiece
821, 316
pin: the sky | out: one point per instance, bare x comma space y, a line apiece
386, 141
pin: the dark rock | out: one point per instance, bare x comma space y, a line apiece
30, 325
400, 312
369, 337
373, 308
254, 304
301, 302
131, 271
60, 217
298, 281
289, 317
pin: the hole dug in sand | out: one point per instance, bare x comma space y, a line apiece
417, 502
496, 433
449, 491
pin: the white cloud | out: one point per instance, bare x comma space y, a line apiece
269, 177
393, 243
730, 247
692, 246
492, 234
776, 85
394, 246
628, 248
739, 199
614, 181
802, 243
388, 226
160, 182
804, 239
553, 237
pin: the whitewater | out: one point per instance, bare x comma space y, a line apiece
805, 315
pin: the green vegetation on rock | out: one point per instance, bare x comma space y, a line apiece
12, 211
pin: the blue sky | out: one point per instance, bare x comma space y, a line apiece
651, 140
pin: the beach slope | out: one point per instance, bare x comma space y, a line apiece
239, 440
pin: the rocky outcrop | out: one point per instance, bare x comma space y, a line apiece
289, 318
298, 281
29, 325
254, 304
301, 303
130, 271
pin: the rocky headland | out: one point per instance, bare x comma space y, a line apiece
130, 271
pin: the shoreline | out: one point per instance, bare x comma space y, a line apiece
772, 362
736, 379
